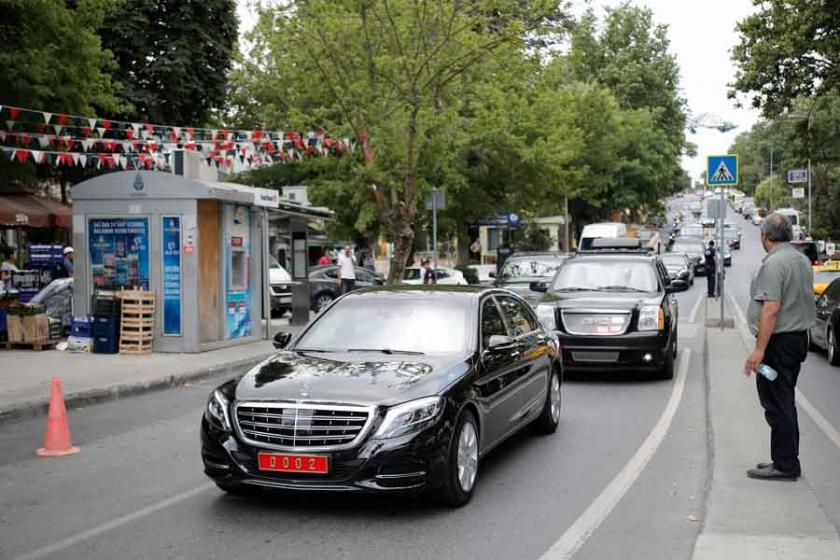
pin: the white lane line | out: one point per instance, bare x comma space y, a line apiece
821, 421
576, 535
694, 310
63, 544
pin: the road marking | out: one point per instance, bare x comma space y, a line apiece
694, 310
63, 544
821, 421
577, 534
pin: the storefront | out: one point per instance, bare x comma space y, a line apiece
196, 244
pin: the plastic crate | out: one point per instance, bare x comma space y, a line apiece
106, 326
105, 345
81, 327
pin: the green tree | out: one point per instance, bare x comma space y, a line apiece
52, 59
397, 72
173, 57
771, 191
789, 49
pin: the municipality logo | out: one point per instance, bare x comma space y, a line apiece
138, 183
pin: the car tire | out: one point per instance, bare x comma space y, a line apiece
667, 371
692, 281
546, 423
812, 346
455, 493
833, 353
322, 300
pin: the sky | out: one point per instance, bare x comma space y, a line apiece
702, 35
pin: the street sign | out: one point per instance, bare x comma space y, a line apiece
716, 208
798, 192
829, 249
441, 200
797, 176
722, 171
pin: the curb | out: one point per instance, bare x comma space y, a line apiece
39, 407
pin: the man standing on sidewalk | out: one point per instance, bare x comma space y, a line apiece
346, 271
780, 313
711, 268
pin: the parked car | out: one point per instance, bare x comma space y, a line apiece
324, 286
281, 289
524, 269
444, 276
390, 390
824, 332
694, 248
614, 311
823, 275
679, 267
807, 247
732, 235
486, 273
606, 230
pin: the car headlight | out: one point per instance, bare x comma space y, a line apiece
548, 318
217, 411
410, 417
651, 318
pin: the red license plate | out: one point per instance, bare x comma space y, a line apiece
293, 463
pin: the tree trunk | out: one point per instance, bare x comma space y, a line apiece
402, 217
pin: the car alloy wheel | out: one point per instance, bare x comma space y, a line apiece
467, 456
555, 398
323, 300
831, 347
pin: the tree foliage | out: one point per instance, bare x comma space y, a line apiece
173, 57
789, 49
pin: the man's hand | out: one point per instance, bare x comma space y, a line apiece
752, 362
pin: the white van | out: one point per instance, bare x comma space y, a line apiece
791, 213
610, 230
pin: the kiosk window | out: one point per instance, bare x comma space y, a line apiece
238, 270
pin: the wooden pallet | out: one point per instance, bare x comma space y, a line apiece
40, 345
137, 321
136, 346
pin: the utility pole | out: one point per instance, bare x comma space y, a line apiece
771, 177
567, 245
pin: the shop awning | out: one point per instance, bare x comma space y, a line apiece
28, 210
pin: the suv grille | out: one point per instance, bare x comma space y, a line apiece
302, 426
599, 323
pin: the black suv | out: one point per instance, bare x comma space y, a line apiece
614, 310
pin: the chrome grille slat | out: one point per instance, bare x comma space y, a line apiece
596, 322
296, 426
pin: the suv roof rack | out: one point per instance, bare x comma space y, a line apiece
627, 245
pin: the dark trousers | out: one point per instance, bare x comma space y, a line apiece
347, 285
785, 353
710, 281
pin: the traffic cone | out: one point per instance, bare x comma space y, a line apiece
57, 437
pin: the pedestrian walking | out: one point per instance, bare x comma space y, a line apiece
711, 268
325, 259
780, 313
428, 272
68, 261
347, 270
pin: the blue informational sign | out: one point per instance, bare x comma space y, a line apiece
171, 227
119, 253
237, 225
722, 171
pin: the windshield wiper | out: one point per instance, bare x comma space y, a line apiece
312, 350
573, 289
385, 351
621, 289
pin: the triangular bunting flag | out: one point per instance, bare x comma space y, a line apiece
57, 128
36, 155
47, 117
10, 124
101, 130
43, 140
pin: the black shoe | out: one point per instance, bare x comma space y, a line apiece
771, 473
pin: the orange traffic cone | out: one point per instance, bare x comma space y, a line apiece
57, 437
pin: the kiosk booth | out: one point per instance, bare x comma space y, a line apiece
196, 244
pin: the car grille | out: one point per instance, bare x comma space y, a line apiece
302, 426
599, 323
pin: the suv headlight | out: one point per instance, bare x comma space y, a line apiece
217, 411
651, 318
410, 417
548, 318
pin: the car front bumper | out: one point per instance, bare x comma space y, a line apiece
411, 464
635, 351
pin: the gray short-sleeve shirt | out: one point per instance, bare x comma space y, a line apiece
785, 276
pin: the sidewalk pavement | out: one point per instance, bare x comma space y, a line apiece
25, 375
752, 519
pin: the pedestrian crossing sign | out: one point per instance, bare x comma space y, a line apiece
722, 171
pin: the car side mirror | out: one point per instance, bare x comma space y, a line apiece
499, 342
676, 286
282, 339
539, 287
492, 274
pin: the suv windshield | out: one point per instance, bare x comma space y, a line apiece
404, 324
606, 275
521, 267
686, 247
673, 260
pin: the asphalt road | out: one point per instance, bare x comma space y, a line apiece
137, 489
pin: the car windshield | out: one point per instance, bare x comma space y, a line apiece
397, 324
606, 275
824, 277
530, 267
673, 260
678, 247
694, 230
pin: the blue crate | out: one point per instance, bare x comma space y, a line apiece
105, 345
107, 326
81, 327
4, 327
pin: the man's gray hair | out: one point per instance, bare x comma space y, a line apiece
777, 228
